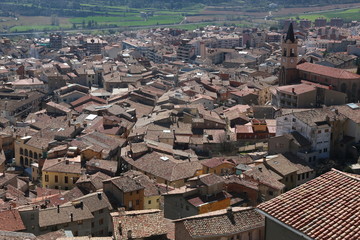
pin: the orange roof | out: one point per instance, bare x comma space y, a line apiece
327, 71
297, 88
326, 207
11, 221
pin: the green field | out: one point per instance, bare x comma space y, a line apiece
39, 28
104, 22
348, 15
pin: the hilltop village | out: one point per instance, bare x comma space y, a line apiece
159, 134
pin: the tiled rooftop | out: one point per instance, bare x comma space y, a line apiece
327, 207
222, 222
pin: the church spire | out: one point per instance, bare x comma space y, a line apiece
290, 34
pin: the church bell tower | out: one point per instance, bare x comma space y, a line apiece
289, 58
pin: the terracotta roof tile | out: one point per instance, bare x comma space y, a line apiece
143, 224
327, 71
327, 207
126, 183
11, 221
219, 223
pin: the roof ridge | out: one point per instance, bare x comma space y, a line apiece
215, 213
345, 174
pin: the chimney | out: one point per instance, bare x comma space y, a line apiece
58, 208
129, 234
230, 214
71, 217
293, 90
120, 228
99, 195
229, 211
260, 169
67, 161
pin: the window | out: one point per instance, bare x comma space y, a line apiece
307, 175
26, 161
46, 178
66, 179
26, 152
137, 191
320, 151
79, 222
319, 131
149, 202
326, 130
271, 193
294, 120
56, 178
299, 177
101, 221
92, 224
250, 236
325, 150
30, 154
21, 151
130, 193
21, 160
32, 216
101, 211
75, 179
137, 202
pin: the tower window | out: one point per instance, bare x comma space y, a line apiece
292, 52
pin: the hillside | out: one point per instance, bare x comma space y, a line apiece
82, 8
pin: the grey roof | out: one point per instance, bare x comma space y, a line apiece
51, 216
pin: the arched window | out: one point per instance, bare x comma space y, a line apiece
26, 152
21, 151
343, 88
30, 154
26, 162
35, 155
21, 160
